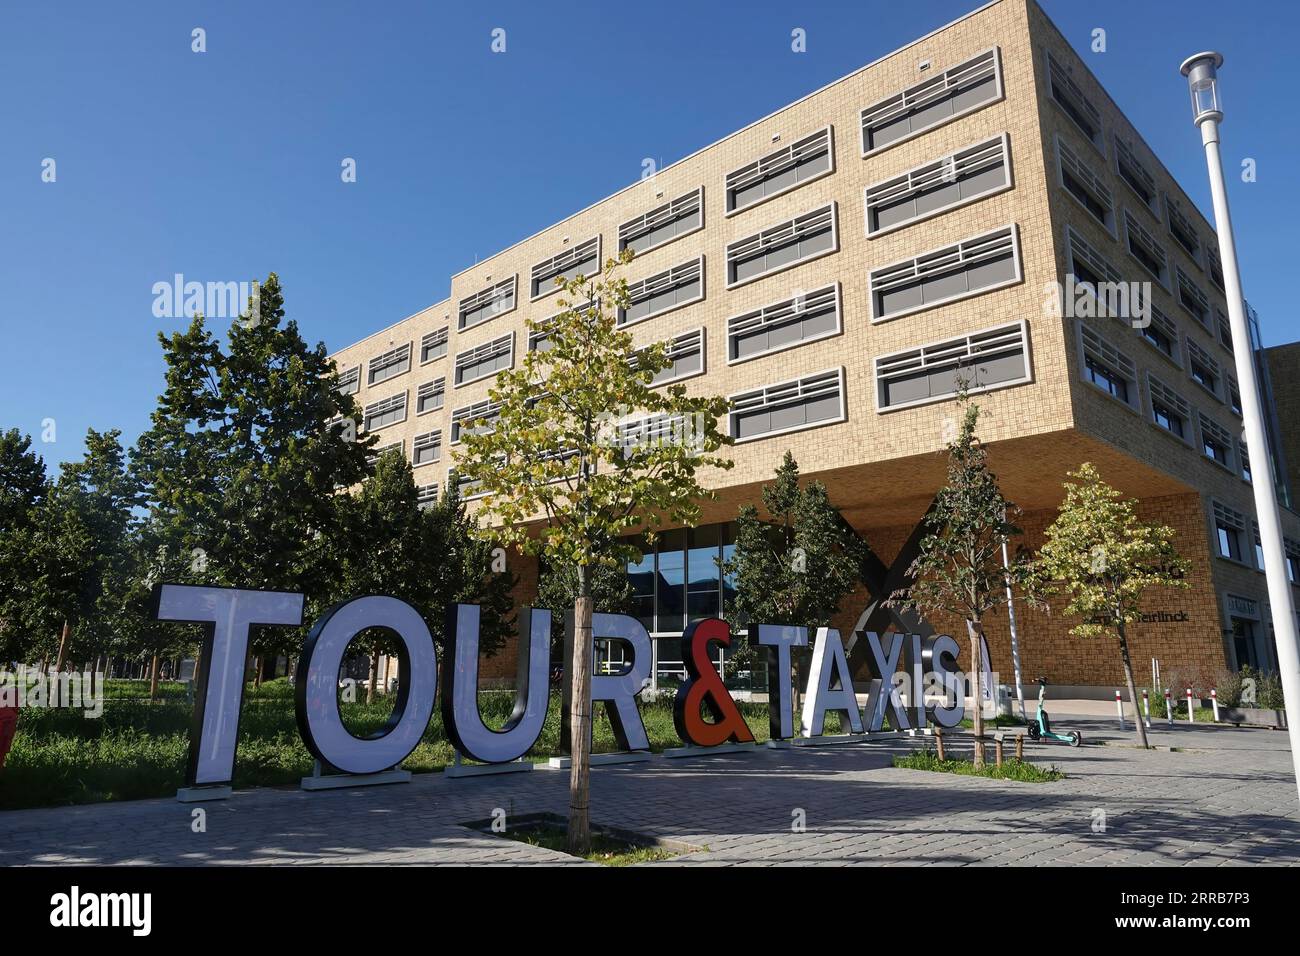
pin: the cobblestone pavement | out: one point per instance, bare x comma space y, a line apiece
1225, 796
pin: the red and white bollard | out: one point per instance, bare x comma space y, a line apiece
1146, 707
1214, 702
1169, 708
1119, 709
1191, 718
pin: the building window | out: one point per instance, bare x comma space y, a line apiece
477, 419
1161, 333
1072, 101
979, 264
983, 361
484, 360
1107, 368
467, 489
1243, 456
1229, 527
582, 259
1292, 559
488, 304
350, 381
376, 453
679, 579
653, 430
663, 224
1216, 443
1093, 273
782, 246
1203, 369
685, 355
784, 325
1181, 228
1143, 247
430, 396
960, 90
426, 448
426, 496
1135, 175
954, 180
668, 290
1085, 185
389, 411
390, 364
1169, 410
781, 171
1225, 330
433, 346
1259, 546
1192, 297
788, 406
1214, 266
1234, 395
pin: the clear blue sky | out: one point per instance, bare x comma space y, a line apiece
225, 165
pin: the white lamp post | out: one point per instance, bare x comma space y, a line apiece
1201, 71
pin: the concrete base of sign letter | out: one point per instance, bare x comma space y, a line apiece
674, 752
337, 781
487, 769
828, 740
603, 760
203, 794
782, 744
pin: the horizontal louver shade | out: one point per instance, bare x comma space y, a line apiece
982, 360
663, 223
959, 90
782, 246
949, 181
389, 364
785, 324
966, 268
582, 259
488, 304
788, 406
486, 359
665, 291
780, 170
433, 345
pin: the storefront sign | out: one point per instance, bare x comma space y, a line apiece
227, 614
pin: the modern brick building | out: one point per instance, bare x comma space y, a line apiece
835, 266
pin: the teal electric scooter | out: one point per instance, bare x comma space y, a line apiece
1041, 729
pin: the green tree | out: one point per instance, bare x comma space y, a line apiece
958, 569
568, 480
81, 549
429, 557
795, 564
247, 448
557, 591
1104, 559
23, 486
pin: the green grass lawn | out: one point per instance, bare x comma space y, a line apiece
1010, 770
138, 749
605, 849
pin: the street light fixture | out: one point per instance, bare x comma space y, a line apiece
1201, 71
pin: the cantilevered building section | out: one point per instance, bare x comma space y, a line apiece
973, 207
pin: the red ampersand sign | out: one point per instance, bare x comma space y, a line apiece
703, 687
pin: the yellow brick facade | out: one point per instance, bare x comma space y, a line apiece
882, 468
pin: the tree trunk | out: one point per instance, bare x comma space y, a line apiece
63, 646
261, 669
374, 675
153, 678
975, 629
1132, 688
579, 835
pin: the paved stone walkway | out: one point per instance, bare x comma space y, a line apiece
1226, 797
